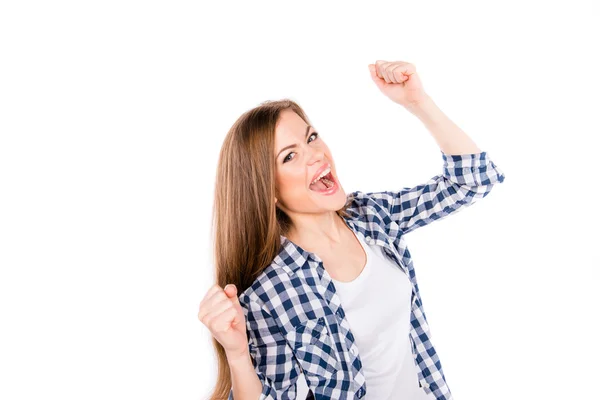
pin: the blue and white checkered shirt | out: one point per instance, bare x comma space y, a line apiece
295, 321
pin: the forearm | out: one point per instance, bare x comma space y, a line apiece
244, 380
449, 137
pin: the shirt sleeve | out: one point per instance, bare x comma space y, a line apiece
465, 179
272, 358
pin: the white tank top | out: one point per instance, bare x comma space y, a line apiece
378, 305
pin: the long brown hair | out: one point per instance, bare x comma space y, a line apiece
246, 222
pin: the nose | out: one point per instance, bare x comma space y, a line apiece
316, 155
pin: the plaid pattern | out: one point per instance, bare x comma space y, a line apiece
296, 323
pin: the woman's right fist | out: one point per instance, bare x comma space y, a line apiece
221, 312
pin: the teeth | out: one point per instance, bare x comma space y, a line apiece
327, 170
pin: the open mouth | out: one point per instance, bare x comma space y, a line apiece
325, 184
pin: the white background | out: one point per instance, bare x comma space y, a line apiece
112, 114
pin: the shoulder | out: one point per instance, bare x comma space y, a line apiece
272, 281
278, 282
274, 297
368, 206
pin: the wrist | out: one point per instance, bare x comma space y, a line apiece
238, 357
421, 107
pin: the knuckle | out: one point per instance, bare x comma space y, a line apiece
211, 323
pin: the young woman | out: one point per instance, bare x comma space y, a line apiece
316, 282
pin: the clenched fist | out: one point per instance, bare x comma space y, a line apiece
399, 81
221, 312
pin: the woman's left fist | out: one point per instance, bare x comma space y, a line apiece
399, 81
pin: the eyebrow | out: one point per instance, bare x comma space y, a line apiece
294, 145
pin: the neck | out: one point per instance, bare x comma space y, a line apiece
318, 231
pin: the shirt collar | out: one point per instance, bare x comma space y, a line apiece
293, 257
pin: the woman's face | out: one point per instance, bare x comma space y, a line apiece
297, 166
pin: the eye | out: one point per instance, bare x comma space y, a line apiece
315, 134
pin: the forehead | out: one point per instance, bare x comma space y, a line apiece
290, 127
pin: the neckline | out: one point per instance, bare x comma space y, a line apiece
366, 268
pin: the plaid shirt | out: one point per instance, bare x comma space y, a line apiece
295, 320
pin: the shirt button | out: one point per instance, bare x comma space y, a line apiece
361, 393
368, 239
424, 384
339, 313
353, 351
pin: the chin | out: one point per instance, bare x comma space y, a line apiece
338, 199
343, 198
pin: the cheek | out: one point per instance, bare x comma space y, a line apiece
289, 182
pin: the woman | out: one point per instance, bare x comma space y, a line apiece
304, 271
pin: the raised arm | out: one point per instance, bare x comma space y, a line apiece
468, 173
465, 179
